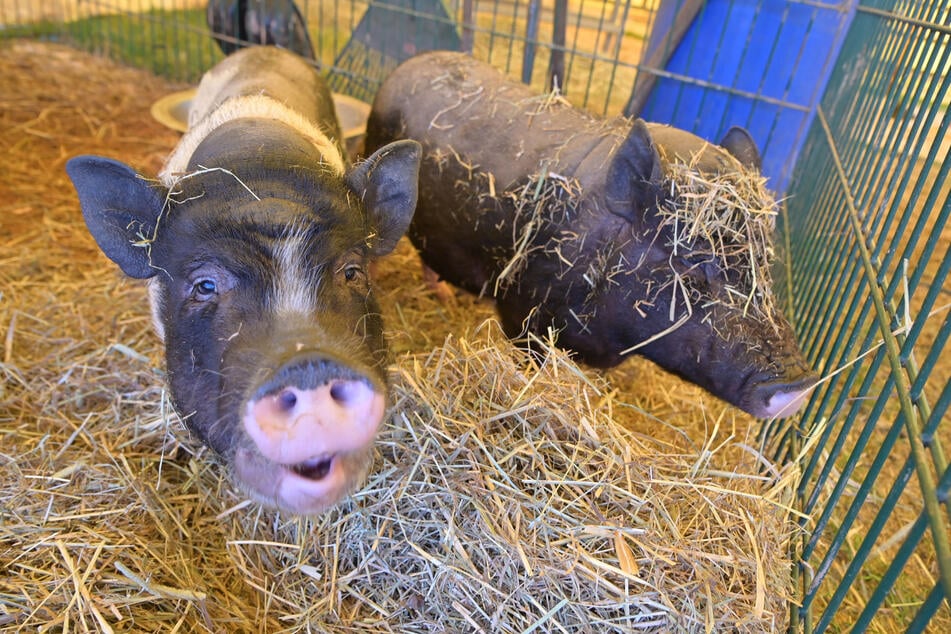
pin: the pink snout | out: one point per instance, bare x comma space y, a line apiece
780, 401
313, 445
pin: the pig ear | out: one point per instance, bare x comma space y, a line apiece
741, 145
387, 182
635, 174
120, 209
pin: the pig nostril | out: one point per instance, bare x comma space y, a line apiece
344, 391
286, 400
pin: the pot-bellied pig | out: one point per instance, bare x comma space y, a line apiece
256, 239
622, 236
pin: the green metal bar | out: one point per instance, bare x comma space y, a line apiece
616, 55
834, 229
943, 402
843, 397
492, 33
925, 92
907, 341
888, 579
859, 155
512, 37
837, 346
874, 469
922, 121
893, 86
937, 346
809, 477
940, 221
839, 256
935, 597
925, 478
941, 407
825, 311
574, 49
820, 316
926, 611
868, 541
897, 17
844, 394
859, 444
531, 37
846, 337
931, 243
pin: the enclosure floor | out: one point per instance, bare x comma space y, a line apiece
78, 352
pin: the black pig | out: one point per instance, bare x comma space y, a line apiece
571, 223
256, 240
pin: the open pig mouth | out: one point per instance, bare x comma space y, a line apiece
307, 487
314, 468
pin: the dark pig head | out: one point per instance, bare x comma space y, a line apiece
697, 228
257, 250
273, 338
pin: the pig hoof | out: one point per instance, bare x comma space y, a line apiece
442, 290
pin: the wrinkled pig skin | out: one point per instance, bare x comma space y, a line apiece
589, 261
256, 241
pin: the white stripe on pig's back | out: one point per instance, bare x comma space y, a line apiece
251, 106
209, 90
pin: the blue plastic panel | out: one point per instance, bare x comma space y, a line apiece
760, 64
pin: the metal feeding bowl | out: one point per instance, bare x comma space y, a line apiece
172, 111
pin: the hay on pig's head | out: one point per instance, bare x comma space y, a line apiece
726, 219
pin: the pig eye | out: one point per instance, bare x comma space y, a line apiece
352, 272
204, 289
701, 266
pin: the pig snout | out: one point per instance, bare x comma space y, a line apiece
311, 436
308, 427
779, 399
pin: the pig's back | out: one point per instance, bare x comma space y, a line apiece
487, 141
272, 72
453, 103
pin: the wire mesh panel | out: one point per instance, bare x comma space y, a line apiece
867, 227
597, 44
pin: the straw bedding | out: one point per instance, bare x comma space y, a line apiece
508, 495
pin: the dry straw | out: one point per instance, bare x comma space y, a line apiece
728, 218
544, 203
506, 496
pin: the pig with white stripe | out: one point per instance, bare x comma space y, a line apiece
256, 240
